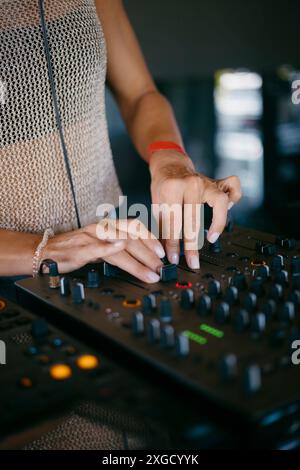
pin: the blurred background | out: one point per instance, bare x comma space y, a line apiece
227, 67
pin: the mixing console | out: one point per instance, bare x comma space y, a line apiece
223, 333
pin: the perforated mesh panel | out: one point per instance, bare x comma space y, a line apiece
35, 191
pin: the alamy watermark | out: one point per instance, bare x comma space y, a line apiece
166, 221
296, 92
2, 353
296, 353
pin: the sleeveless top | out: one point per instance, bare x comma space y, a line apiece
35, 191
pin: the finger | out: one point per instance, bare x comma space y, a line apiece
192, 223
144, 255
97, 250
232, 187
219, 202
128, 263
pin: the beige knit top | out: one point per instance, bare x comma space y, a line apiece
35, 191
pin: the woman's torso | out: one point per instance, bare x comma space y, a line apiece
35, 191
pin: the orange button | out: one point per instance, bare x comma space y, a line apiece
60, 372
87, 362
2, 304
132, 303
257, 263
26, 382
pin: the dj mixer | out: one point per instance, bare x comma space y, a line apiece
222, 335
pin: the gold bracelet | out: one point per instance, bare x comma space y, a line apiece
37, 257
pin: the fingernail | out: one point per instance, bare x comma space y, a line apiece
160, 251
213, 237
153, 277
173, 258
230, 205
194, 262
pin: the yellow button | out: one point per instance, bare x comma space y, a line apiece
132, 303
2, 304
87, 362
26, 382
60, 372
257, 263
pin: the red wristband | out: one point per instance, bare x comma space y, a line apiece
164, 145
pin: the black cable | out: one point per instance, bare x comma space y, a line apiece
56, 108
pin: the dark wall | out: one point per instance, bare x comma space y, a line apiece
183, 38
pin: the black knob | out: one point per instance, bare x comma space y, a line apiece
295, 298
262, 271
214, 288
228, 367
250, 301
215, 247
78, 294
168, 272
167, 336
257, 286
222, 314
65, 286
296, 281
138, 323
286, 243
281, 277
165, 310
149, 304
252, 379
187, 299
277, 262
239, 281
276, 292
258, 323
287, 313
93, 279
269, 308
153, 331
204, 305
295, 265
241, 320
231, 295
266, 249
182, 345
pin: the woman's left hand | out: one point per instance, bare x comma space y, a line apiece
175, 181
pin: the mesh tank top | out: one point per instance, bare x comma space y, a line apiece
35, 192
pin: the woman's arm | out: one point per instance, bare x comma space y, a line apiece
16, 252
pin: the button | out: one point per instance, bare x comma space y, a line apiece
258, 323
87, 362
182, 345
269, 308
187, 299
93, 279
250, 301
276, 292
257, 262
239, 281
266, 249
222, 314
286, 243
153, 331
165, 310
65, 286
57, 342
2, 304
252, 379
231, 295
168, 272
60, 372
228, 367
204, 305
184, 285
295, 265
241, 320
149, 304
214, 288
287, 313
167, 336
262, 271
32, 351
78, 294
39, 328
215, 247
132, 303
281, 277
257, 287
277, 262
25, 382
138, 323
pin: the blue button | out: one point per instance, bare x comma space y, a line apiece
57, 342
32, 350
